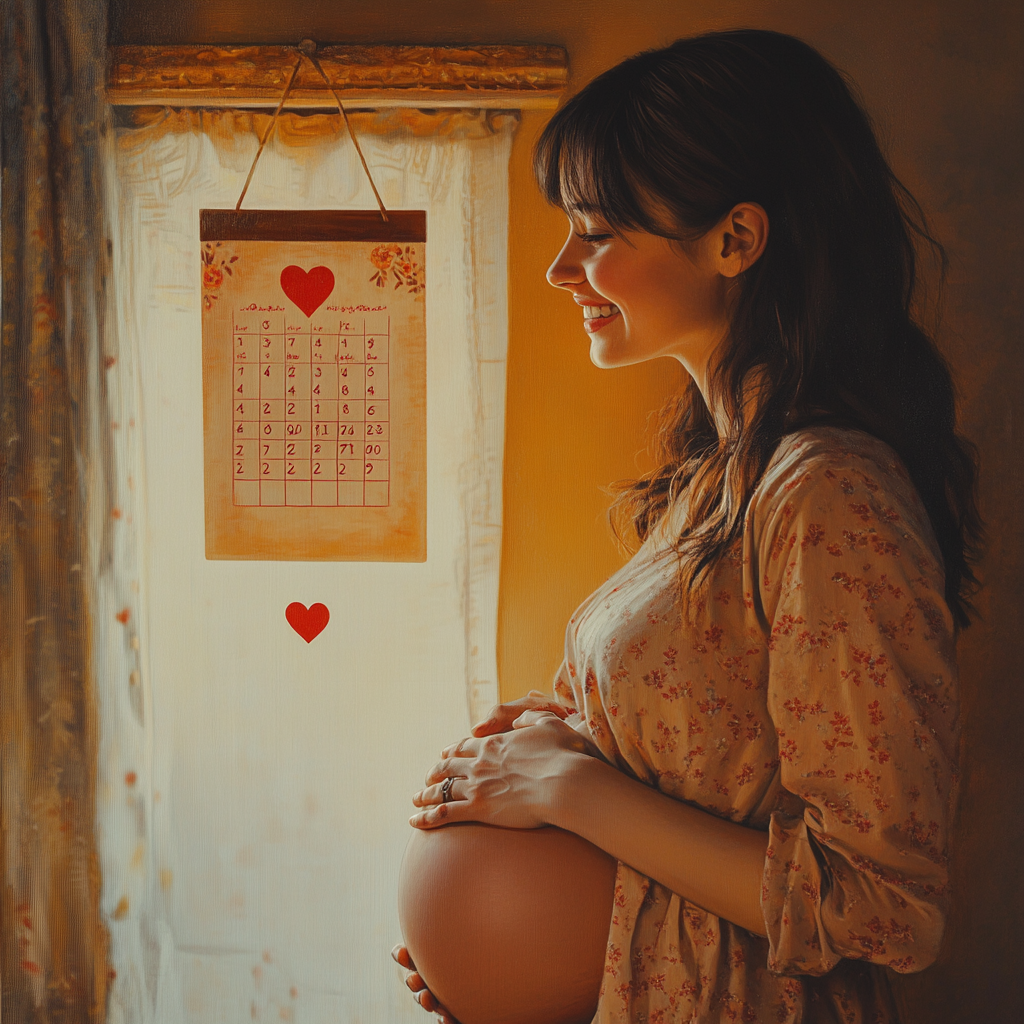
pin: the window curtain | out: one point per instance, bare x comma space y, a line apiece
255, 790
56, 520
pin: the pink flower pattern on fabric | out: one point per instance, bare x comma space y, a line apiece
815, 697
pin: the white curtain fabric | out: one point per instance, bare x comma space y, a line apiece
254, 790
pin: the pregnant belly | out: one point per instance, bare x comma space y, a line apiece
507, 926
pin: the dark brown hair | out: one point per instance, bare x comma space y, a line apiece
825, 319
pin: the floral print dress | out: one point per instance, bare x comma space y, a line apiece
816, 699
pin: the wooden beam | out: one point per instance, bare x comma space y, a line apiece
377, 76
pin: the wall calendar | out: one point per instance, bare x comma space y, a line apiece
314, 384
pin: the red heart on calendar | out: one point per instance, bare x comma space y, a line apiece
308, 290
307, 622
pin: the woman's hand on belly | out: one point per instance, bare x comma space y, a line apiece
423, 996
501, 716
506, 779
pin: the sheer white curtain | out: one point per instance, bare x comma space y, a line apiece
255, 790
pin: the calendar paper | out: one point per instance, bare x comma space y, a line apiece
314, 384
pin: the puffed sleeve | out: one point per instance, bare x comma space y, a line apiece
863, 694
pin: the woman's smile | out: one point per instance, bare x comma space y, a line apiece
596, 317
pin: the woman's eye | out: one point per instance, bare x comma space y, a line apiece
583, 237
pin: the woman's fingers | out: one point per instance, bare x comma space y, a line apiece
444, 768
428, 1001
464, 748
401, 956
415, 982
443, 814
434, 794
421, 993
533, 716
501, 716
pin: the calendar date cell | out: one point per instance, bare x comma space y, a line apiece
351, 410
272, 348
296, 449
350, 493
324, 349
297, 410
271, 492
272, 380
350, 469
324, 409
376, 493
246, 492
324, 384
350, 348
296, 348
298, 492
246, 382
376, 348
325, 493
297, 380
323, 469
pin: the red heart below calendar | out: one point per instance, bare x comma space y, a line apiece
307, 622
308, 290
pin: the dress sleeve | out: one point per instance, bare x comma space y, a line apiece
862, 690
562, 685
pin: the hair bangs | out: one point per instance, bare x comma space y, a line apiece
580, 167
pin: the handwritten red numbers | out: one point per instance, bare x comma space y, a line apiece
310, 410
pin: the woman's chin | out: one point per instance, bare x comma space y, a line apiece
607, 354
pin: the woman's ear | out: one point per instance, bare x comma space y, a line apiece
739, 238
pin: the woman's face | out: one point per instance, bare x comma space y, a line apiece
643, 296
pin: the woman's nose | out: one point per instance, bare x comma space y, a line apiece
566, 271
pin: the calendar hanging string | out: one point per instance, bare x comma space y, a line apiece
307, 49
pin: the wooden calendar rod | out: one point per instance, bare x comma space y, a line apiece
509, 77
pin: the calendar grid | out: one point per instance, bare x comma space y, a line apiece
310, 411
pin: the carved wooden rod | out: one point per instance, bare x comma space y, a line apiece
521, 77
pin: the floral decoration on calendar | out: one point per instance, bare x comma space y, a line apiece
215, 266
398, 262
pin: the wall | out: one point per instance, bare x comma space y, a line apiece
942, 80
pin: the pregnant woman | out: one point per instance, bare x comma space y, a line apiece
756, 717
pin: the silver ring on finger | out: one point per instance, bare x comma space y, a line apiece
446, 789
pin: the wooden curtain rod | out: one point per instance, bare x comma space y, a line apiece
521, 77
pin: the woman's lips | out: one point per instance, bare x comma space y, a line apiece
596, 323
597, 317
